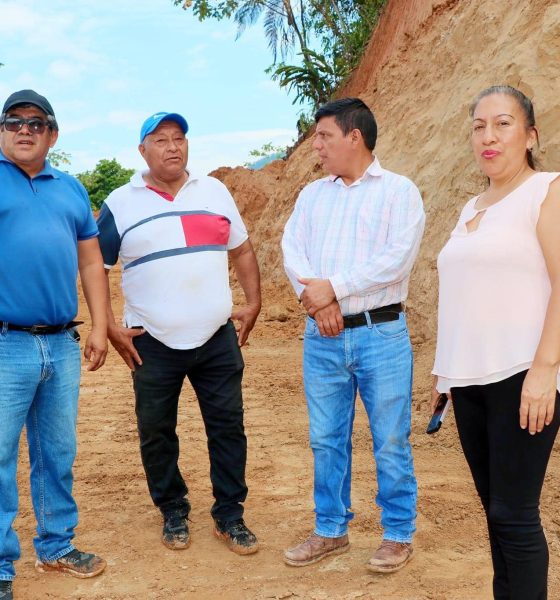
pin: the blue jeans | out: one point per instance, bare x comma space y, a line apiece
39, 385
376, 360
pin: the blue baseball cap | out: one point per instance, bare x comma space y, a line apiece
152, 122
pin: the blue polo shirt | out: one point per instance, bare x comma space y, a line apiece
41, 221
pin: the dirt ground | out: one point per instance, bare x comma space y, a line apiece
118, 521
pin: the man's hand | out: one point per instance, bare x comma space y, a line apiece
247, 271
318, 294
246, 317
121, 340
95, 350
96, 292
329, 320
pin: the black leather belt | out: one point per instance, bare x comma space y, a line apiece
42, 329
377, 315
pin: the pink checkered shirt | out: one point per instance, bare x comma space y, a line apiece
363, 237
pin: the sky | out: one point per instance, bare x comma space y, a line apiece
106, 65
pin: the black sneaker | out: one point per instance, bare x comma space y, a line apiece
237, 536
6, 591
176, 534
76, 563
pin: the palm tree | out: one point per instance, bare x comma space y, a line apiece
340, 28
284, 25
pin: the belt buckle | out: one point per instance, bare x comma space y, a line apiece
39, 329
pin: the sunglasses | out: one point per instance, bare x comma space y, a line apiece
34, 124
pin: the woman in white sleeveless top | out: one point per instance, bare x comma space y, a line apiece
498, 346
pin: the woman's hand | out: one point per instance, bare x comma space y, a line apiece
436, 394
538, 398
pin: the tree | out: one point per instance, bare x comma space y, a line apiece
107, 176
57, 158
314, 80
329, 36
265, 154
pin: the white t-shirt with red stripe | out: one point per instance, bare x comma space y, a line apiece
174, 258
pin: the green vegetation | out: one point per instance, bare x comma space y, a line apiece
57, 158
107, 176
328, 36
266, 151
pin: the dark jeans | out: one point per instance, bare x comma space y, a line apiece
508, 467
214, 370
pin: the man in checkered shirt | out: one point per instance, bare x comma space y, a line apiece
349, 247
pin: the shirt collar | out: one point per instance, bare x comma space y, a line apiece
138, 181
47, 171
374, 170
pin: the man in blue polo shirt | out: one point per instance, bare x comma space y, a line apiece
47, 234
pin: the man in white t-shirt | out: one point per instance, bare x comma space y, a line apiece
173, 232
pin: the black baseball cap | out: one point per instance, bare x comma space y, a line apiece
28, 97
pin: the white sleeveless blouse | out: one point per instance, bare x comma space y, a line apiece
494, 290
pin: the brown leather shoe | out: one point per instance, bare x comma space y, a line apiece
314, 549
390, 557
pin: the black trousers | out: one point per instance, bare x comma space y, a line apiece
508, 467
214, 370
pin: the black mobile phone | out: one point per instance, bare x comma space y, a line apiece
442, 407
